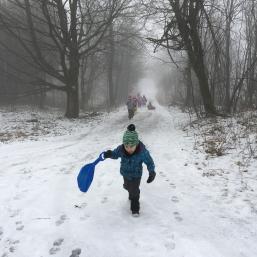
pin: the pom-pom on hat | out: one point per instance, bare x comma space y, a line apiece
130, 136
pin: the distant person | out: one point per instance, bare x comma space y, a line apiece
150, 106
133, 154
135, 103
131, 107
139, 100
144, 100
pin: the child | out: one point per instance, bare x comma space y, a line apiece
150, 106
131, 107
132, 153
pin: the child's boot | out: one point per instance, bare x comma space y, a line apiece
135, 207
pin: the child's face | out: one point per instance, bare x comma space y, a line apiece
130, 149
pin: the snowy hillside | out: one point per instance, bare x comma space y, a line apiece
185, 212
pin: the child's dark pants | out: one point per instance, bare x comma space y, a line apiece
132, 186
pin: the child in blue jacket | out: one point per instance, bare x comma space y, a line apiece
133, 153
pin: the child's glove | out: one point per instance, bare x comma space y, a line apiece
108, 154
151, 177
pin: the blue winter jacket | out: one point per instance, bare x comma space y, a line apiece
131, 165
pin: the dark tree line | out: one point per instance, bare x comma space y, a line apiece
88, 50
63, 46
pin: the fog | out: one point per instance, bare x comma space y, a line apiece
75, 74
95, 64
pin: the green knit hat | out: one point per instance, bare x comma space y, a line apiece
130, 137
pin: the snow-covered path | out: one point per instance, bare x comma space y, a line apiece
42, 212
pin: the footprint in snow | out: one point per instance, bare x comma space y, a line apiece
18, 163
110, 183
174, 199
17, 197
80, 206
26, 171
12, 249
85, 217
26, 174
61, 220
177, 216
12, 242
104, 200
19, 225
56, 245
12, 245
66, 171
63, 170
54, 250
1, 233
225, 192
14, 213
162, 174
173, 185
170, 244
76, 252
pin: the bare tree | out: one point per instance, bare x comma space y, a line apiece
68, 30
251, 39
182, 31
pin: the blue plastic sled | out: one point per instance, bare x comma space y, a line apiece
86, 174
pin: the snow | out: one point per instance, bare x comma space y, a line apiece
194, 208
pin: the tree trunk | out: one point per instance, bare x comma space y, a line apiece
72, 74
251, 83
42, 98
191, 38
196, 58
204, 89
189, 85
72, 108
86, 95
120, 68
230, 6
110, 68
